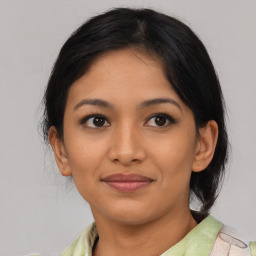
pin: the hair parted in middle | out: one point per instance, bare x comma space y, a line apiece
186, 64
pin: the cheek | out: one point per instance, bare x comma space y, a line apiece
178, 150
174, 158
83, 152
84, 159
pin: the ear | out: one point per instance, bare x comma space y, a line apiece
60, 152
206, 145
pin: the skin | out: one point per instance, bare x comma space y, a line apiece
151, 219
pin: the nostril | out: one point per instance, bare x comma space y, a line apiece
126, 152
126, 161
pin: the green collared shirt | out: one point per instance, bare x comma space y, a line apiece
198, 242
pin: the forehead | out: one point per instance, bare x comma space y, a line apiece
127, 75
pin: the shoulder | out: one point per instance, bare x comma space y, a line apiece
221, 239
229, 242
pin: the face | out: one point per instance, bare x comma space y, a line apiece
129, 141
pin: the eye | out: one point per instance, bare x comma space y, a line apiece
95, 121
160, 120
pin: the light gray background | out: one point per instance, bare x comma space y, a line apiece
38, 213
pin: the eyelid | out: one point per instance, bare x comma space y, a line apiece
86, 118
169, 118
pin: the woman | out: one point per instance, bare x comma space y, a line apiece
134, 113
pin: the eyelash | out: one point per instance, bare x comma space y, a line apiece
170, 119
85, 119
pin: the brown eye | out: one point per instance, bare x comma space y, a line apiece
98, 121
95, 121
160, 120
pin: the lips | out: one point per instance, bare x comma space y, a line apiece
127, 182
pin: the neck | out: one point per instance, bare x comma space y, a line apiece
151, 238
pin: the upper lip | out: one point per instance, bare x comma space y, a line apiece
122, 177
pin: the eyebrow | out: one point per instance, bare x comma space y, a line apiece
94, 102
155, 101
144, 104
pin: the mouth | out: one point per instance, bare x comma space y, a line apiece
127, 182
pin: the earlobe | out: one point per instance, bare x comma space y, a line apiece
60, 153
206, 145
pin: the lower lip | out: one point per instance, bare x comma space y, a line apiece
128, 186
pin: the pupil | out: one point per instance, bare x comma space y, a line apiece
98, 121
160, 121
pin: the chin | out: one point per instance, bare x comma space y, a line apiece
131, 220
131, 215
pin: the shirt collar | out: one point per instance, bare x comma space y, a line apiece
198, 242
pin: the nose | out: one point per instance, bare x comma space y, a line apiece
126, 146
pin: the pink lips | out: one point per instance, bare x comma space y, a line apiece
127, 182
